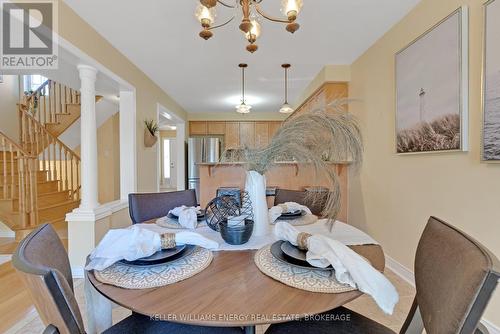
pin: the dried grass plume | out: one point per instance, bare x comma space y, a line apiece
318, 138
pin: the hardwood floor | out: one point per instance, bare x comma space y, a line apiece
15, 301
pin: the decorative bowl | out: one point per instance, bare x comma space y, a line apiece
236, 234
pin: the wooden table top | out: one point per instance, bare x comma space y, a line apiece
232, 292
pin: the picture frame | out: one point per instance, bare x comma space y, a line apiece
432, 89
490, 100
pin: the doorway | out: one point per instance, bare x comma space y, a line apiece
168, 164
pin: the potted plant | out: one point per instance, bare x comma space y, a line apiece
150, 133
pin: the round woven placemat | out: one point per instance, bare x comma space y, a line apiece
172, 223
132, 277
304, 279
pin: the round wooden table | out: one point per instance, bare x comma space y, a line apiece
232, 292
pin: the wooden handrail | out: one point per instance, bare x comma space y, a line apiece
60, 162
16, 145
19, 180
51, 135
39, 89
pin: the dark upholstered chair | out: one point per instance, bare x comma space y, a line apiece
43, 264
455, 277
146, 206
299, 196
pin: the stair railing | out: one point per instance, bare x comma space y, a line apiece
19, 180
61, 162
49, 100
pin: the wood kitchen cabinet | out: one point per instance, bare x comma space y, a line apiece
253, 134
261, 134
232, 135
198, 128
247, 134
323, 96
216, 128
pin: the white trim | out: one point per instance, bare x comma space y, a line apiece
490, 327
102, 211
407, 275
400, 270
78, 272
7, 234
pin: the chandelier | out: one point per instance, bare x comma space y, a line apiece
286, 108
243, 108
252, 12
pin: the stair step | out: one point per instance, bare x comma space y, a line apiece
42, 187
41, 176
56, 212
46, 199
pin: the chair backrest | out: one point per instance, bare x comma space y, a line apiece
147, 206
300, 196
43, 264
455, 277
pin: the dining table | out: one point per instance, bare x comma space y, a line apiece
232, 292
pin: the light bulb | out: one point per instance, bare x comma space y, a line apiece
243, 108
286, 109
291, 8
254, 32
205, 15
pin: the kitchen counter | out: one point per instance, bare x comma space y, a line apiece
285, 175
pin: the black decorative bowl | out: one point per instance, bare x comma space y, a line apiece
237, 234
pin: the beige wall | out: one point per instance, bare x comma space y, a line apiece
394, 195
9, 97
108, 149
148, 94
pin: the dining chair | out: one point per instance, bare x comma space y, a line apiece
146, 206
300, 197
455, 277
43, 264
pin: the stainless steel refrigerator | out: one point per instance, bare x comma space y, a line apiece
201, 150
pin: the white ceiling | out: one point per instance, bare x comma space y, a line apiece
161, 38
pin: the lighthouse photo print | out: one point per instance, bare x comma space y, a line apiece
431, 89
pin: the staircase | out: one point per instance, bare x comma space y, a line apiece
39, 174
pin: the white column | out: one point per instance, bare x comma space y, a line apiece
128, 140
88, 139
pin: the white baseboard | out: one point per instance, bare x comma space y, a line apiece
400, 270
407, 275
7, 234
77, 272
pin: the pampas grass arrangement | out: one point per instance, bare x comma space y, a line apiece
318, 138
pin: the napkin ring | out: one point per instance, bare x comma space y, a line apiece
168, 240
302, 240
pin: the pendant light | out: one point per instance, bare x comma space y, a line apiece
243, 108
286, 108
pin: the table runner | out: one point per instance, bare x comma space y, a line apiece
347, 234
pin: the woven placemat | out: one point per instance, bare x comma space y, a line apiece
173, 223
132, 277
304, 279
300, 221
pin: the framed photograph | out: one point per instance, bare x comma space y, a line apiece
432, 89
491, 83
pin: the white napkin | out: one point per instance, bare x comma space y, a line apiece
350, 267
188, 216
135, 242
279, 209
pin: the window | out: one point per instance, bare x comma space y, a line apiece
33, 82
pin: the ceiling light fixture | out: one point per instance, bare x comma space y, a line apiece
205, 13
243, 108
286, 108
